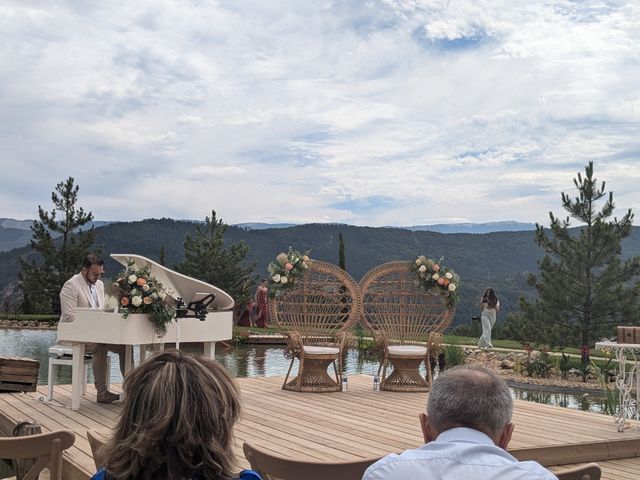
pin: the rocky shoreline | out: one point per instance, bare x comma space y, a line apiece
506, 364
27, 324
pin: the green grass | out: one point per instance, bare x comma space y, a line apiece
516, 345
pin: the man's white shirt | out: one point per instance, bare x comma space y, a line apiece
458, 453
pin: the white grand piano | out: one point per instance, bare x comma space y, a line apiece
108, 326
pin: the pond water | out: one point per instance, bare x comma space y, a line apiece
257, 361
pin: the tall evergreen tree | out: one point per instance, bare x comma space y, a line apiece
62, 245
584, 287
341, 261
162, 256
207, 259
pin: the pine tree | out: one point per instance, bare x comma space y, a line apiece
341, 261
162, 255
584, 287
207, 259
62, 247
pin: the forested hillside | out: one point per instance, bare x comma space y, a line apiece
501, 260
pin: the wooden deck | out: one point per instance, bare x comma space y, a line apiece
360, 423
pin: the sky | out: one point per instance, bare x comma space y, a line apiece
381, 112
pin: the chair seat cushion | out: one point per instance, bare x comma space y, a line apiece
407, 350
312, 350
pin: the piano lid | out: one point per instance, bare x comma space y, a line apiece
187, 288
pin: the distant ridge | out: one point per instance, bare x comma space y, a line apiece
262, 225
489, 227
16, 233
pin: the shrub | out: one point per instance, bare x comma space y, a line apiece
453, 355
538, 366
564, 365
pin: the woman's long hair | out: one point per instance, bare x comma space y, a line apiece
490, 298
176, 422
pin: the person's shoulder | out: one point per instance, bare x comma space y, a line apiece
100, 475
395, 465
72, 282
249, 475
536, 471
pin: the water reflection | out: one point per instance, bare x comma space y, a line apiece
586, 402
254, 361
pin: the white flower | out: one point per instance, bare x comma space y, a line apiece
304, 265
132, 279
449, 275
145, 288
422, 269
162, 295
136, 301
283, 279
418, 261
276, 278
435, 276
452, 287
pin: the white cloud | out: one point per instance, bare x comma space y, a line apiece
387, 112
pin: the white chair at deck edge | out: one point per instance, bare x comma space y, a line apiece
63, 355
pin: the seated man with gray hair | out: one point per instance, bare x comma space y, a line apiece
466, 429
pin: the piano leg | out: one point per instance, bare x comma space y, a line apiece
142, 351
210, 349
128, 358
77, 371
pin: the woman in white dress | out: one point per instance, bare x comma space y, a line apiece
490, 306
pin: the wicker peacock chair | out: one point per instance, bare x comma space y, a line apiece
407, 323
316, 314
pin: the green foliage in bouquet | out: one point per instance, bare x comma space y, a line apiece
138, 291
435, 277
284, 271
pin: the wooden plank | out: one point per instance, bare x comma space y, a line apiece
20, 369
17, 377
580, 452
359, 423
17, 387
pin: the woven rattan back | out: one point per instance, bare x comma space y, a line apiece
322, 302
397, 306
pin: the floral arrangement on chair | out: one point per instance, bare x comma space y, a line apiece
284, 271
436, 277
138, 291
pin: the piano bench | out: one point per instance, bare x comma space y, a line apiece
63, 355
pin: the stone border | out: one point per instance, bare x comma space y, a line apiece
27, 325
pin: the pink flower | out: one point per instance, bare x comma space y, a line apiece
441, 281
436, 267
288, 266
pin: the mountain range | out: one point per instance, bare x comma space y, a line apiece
17, 233
502, 260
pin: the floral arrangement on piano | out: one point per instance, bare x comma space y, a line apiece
435, 277
138, 291
284, 271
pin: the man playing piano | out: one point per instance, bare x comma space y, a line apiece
86, 290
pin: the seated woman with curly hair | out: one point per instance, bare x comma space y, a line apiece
176, 423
